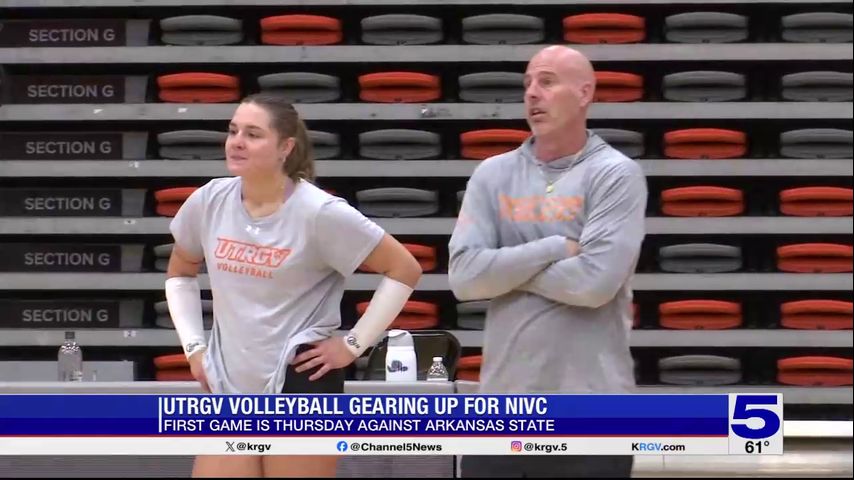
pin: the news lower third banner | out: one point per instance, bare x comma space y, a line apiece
385, 424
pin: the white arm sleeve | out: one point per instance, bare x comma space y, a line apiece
385, 306
184, 297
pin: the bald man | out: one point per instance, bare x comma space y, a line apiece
551, 233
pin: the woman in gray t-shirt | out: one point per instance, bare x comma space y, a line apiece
278, 250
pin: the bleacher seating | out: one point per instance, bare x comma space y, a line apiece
739, 113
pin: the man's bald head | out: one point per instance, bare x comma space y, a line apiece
567, 62
559, 88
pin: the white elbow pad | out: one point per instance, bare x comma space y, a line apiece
184, 298
385, 306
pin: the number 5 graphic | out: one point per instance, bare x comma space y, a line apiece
743, 411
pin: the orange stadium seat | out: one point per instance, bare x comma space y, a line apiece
169, 200
705, 143
168, 209
468, 368
817, 202
702, 201
176, 194
415, 315
814, 258
817, 314
170, 362
482, 144
301, 30
172, 368
618, 87
399, 87
814, 371
424, 254
604, 28
198, 87
174, 375
700, 315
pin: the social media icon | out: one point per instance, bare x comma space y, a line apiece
342, 446
516, 446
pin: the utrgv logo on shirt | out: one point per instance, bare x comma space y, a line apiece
538, 208
249, 260
247, 253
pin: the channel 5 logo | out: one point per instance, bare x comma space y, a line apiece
515, 446
755, 416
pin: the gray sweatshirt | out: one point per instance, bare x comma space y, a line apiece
554, 324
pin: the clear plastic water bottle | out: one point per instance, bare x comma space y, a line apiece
70, 360
437, 372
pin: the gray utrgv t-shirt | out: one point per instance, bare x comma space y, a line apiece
276, 281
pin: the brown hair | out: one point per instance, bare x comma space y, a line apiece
287, 123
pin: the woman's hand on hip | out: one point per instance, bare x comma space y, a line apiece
198, 370
328, 354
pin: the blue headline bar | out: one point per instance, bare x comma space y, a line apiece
382, 414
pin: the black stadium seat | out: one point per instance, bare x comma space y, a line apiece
817, 86
192, 145
706, 27
325, 145
397, 202
704, 86
700, 258
699, 370
471, 315
302, 87
201, 30
629, 142
401, 29
399, 144
492, 87
499, 29
817, 27
817, 143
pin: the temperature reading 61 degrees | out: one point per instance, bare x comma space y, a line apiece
755, 424
756, 446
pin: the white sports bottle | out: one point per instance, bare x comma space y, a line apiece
401, 363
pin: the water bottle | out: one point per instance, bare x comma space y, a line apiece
401, 361
70, 360
437, 372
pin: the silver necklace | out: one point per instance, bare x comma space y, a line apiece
550, 184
